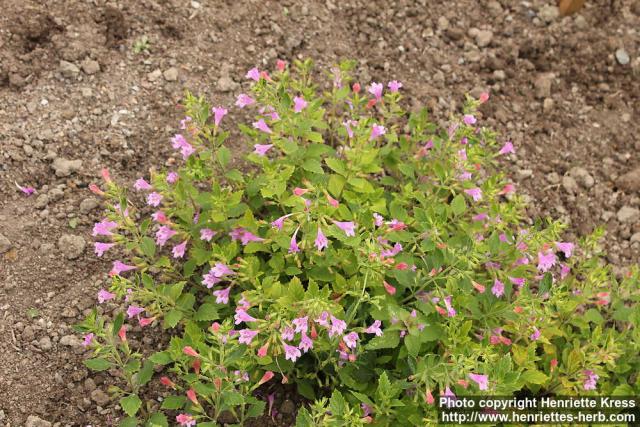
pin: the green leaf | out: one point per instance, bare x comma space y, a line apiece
306, 389
224, 156
256, 409
313, 165
458, 205
97, 364
533, 376
173, 402
145, 374
336, 184
161, 358
232, 398
128, 422
336, 165
131, 404
157, 420
172, 318
413, 343
207, 312
390, 339
148, 247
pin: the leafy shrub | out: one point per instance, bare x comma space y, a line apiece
359, 252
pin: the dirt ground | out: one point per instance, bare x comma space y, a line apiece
76, 95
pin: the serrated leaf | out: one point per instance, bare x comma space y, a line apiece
97, 364
173, 402
458, 205
533, 377
161, 358
131, 404
390, 339
158, 420
207, 312
148, 247
172, 318
256, 409
313, 165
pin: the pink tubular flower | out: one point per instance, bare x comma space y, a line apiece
535, 335
262, 125
451, 312
172, 177
178, 250
333, 202
566, 248
141, 184
242, 316
468, 119
207, 234
261, 149
374, 328
103, 228
288, 333
189, 351
104, 295
347, 126
293, 245
546, 260
222, 295
564, 270
378, 219
347, 226
262, 351
133, 311
163, 235
185, 122
481, 380
191, 395
391, 290
244, 236
299, 104
394, 86
306, 343
101, 248
253, 74
291, 352
218, 114
376, 131
266, 377
244, 100
498, 288
88, 339
337, 326
351, 339
220, 270
301, 324
475, 193
185, 420
281, 65
507, 148
26, 190
484, 97
279, 223
322, 320
462, 153
246, 336
120, 267
518, 281
159, 216
154, 199
590, 380
375, 89
145, 321
321, 240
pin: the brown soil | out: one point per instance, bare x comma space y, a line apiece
558, 92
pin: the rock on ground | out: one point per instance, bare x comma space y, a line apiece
71, 246
5, 244
34, 421
65, 167
628, 214
630, 181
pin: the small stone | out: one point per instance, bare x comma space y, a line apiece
100, 397
443, 23
630, 181
570, 185
483, 38
628, 214
33, 421
635, 237
226, 84
5, 244
45, 343
42, 201
69, 69
543, 84
549, 13
582, 176
287, 407
65, 167
622, 57
90, 66
70, 341
548, 104
71, 246
499, 75
88, 204
154, 75
171, 74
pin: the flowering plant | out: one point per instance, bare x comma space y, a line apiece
358, 252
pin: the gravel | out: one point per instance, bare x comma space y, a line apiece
71, 246
65, 167
628, 214
5, 244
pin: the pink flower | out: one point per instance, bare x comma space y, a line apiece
498, 288
464, 176
120, 267
376, 131
279, 223
333, 202
468, 119
253, 74
462, 154
306, 343
374, 328
261, 149
347, 226
218, 114
141, 184
103, 228
220, 270
378, 219
507, 148
484, 97
322, 320
261, 125
222, 295
172, 177
535, 335
546, 260
351, 339
246, 336
337, 326
184, 122
348, 125
394, 86
163, 234
105, 296
88, 339
281, 65
566, 248
375, 89
321, 240
244, 100
475, 193
301, 324
26, 190
518, 281
391, 290
288, 333
291, 353
481, 380
293, 245
244, 236
145, 321
178, 250
242, 316
133, 311
186, 420
564, 270
180, 143
590, 380
451, 312
154, 199
159, 216
207, 234
299, 104
101, 248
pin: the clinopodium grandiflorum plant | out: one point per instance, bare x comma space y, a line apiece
355, 251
